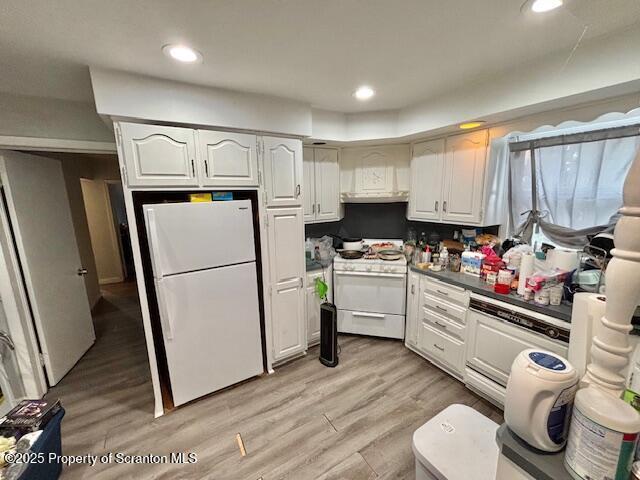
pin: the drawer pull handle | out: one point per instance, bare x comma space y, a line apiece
442, 308
413, 289
438, 347
440, 324
446, 294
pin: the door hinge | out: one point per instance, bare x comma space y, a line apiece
41, 358
118, 136
123, 172
264, 197
259, 178
266, 221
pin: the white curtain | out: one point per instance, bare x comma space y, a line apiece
578, 188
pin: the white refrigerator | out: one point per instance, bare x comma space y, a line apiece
205, 277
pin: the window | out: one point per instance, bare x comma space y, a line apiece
567, 189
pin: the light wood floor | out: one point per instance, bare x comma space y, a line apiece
304, 422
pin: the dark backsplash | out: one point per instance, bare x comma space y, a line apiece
380, 220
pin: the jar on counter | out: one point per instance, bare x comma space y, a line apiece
541, 297
555, 295
454, 262
505, 276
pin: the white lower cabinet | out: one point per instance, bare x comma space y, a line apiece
285, 231
442, 348
436, 322
314, 302
413, 309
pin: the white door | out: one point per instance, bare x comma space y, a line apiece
211, 329
158, 156
283, 171
427, 168
413, 309
327, 185
313, 309
184, 237
228, 159
286, 258
309, 184
464, 177
38, 207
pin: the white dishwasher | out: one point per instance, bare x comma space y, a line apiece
497, 333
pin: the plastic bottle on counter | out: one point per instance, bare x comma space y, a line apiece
444, 257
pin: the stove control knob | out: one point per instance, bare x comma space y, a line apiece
553, 332
368, 268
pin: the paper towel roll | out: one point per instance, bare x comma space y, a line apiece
563, 259
526, 270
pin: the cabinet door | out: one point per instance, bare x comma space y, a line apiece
327, 186
158, 156
309, 183
427, 167
227, 159
464, 177
283, 171
286, 262
313, 309
413, 309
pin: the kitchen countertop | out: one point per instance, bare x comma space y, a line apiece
540, 465
476, 285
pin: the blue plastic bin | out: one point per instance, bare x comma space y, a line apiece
49, 441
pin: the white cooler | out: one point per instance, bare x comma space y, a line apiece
457, 444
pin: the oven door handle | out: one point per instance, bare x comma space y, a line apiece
366, 314
372, 274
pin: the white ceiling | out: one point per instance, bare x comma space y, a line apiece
309, 50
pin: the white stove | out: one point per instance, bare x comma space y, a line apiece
370, 294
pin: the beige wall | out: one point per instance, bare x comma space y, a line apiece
104, 240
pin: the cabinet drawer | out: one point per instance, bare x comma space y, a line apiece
447, 309
451, 293
443, 324
374, 324
442, 347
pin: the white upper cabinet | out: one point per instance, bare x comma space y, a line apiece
427, 168
464, 177
228, 159
327, 185
309, 184
282, 171
448, 181
158, 156
375, 174
286, 269
321, 185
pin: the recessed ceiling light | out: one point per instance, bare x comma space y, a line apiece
364, 93
182, 53
541, 6
470, 125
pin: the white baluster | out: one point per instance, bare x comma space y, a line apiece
610, 350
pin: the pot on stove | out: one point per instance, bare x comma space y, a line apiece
350, 243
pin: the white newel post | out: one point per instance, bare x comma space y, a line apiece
610, 350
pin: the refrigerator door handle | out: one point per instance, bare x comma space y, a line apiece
153, 243
165, 315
